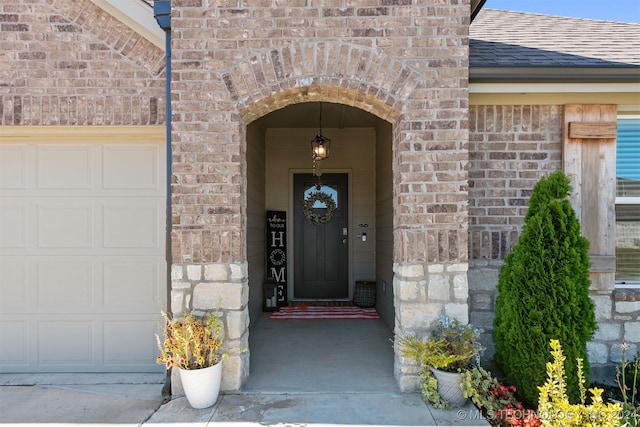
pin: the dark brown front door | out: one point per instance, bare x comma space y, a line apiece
321, 266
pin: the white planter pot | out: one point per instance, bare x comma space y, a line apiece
201, 386
449, 387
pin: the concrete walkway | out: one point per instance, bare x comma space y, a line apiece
106, 400
357, 409
303, 373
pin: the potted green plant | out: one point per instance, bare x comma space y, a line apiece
498, 402
193, 345
450, 349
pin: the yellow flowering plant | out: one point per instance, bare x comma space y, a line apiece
191, 342
554, 408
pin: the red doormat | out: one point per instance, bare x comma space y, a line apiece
305, 312
323, 303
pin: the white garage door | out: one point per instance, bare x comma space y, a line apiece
82, 269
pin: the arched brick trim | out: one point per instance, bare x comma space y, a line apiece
298, 95
110, 31
329, 71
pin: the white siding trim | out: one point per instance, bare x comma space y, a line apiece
138, 16
554, 88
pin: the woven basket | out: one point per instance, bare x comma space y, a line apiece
364, 294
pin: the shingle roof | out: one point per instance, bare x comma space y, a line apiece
517, 39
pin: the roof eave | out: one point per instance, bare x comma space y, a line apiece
476, 6
501, 74
137, 15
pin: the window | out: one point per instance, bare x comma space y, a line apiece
319, 204
628, 203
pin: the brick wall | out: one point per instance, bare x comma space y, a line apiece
371, 55
66, 62
404, 61
510, 148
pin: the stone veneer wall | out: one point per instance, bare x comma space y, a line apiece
510, 148
618, 317
404, 61
223, 288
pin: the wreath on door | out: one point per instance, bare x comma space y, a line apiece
309, 212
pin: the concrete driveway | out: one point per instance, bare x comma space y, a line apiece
79, 399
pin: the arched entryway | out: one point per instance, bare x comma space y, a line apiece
321, 354
360, 111
279, 152
217, 240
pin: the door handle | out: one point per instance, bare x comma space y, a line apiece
344, 241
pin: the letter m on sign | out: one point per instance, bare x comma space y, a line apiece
279, 274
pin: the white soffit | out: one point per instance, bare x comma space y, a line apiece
625, 95
138, 16
554, 88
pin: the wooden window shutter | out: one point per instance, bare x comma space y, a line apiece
589, 160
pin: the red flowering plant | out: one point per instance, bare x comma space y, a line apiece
497, 401
519, 417
191, 342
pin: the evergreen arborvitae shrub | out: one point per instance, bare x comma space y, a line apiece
543, 294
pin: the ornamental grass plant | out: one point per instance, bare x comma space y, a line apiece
451, 346
191, 342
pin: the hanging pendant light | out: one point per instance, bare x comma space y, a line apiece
320, 145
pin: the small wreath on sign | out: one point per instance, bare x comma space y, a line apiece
314, 218
277, 257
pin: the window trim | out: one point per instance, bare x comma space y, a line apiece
627, 200
619, 200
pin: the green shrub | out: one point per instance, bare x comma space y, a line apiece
543, 293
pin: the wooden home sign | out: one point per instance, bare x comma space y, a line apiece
275, 288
